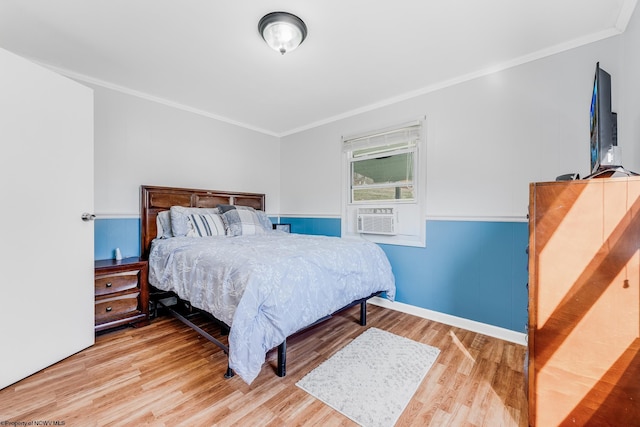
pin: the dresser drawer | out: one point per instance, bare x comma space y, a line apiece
117, 307
116, 282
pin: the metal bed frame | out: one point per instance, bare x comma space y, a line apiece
281, 368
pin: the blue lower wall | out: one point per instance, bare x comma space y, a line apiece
476, 270
471, 269
317, 226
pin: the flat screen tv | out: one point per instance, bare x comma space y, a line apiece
602, 120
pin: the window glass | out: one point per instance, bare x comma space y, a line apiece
388, 177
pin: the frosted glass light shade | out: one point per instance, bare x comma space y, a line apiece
282, 31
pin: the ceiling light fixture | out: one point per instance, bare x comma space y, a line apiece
282, 31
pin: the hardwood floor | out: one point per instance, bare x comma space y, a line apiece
165, 374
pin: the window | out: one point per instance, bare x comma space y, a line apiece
382, 169
383, 173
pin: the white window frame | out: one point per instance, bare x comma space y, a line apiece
410, 214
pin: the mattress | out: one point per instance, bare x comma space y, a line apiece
268, 286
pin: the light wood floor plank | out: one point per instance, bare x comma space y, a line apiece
165, 374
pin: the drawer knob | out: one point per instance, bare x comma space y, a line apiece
108, 309
108, 285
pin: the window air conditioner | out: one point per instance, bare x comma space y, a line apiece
376, 221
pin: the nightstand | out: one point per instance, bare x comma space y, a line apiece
283, 227
121, 293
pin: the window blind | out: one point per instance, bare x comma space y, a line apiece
406, 134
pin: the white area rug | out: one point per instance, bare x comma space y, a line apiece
372, 379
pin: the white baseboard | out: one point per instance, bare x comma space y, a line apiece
458, 322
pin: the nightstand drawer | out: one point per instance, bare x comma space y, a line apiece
113, 308
121, 293
116, 282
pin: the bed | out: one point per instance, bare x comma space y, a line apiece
216, 250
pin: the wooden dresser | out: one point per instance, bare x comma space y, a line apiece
584, 302
121, 293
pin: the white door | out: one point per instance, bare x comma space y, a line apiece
46, 183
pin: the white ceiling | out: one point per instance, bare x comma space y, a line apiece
207, 56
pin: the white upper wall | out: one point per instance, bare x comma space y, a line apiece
487, 138
141, 142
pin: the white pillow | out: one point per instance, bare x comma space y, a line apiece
163, 224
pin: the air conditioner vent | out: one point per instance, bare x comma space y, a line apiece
376, 221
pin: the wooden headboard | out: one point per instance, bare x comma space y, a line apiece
157, 199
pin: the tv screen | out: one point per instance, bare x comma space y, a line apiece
601, 119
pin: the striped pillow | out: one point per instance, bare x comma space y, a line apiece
206, 225
180, 222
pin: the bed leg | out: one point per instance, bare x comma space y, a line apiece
282, 359
229, 373
363, 313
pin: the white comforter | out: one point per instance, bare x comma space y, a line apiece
268, 286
